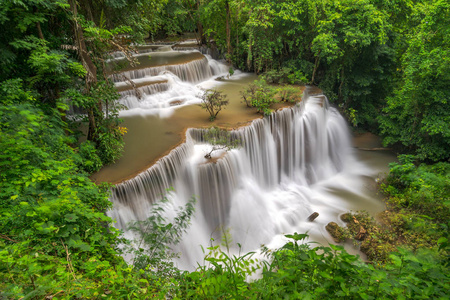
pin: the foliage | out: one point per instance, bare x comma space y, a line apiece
289, 93
416, 117
213, 101
156, 235
330, 272
56, 239
223, 276
248, 94
282, 76
90, 161
299, 271
416, 216
423, 190
220, 139
259, 95
380, 61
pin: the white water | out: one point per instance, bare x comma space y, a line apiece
168, 87
293, 163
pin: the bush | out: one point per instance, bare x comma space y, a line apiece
90, 161
213, 101
259, 95
289, 94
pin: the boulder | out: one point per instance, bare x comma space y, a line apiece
335, 231
313, 216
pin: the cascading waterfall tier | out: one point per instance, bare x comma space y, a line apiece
255, 192
193, 71
147, 90
167, 79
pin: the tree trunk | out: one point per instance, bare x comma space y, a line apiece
86, 60
92, 125
38, 26
201, 37
249, 54
227, 7
91, 76
316, 66
87, 8
340, 88
40, 34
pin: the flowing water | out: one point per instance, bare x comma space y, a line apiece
157, 122
295, 162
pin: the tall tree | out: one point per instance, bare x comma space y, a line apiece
416, 117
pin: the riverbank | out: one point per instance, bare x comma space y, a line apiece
415, 217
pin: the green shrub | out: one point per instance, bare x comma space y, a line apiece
259, 95
90, 161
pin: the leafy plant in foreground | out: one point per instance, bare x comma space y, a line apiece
302, 272
152, 250
223, 276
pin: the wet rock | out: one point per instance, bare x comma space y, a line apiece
313, 216
335, 231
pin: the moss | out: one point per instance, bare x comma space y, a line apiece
335, 231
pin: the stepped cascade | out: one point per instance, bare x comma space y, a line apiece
290, 164
265, 188
163, 78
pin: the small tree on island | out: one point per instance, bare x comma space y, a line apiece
220, 139
213, 101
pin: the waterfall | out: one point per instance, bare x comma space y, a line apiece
194, 71
166, 86
256, 192
147, 90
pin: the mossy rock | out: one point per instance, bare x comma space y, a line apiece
335, 231
347, 217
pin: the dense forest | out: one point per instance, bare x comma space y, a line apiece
384, 63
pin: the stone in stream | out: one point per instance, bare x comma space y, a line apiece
335, 231
313, 216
